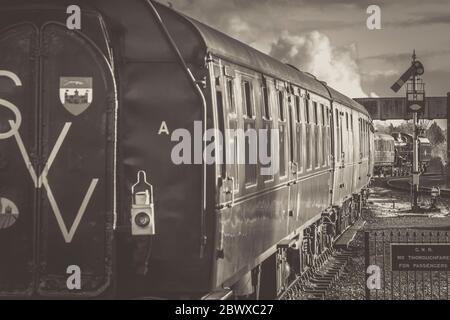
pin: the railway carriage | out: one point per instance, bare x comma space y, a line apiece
103, 108
384, 154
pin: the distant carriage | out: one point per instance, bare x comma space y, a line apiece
384, 154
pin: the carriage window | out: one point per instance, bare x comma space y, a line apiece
367, 138
365, 135
247, 99
346, 119
231, 151
299, 132
266, 110
230, 93
297, 108
250, 144
322, 109
282, 133
360, 138
338, 147
341, 134
328, 134
282, 136
316, 120
307, 110
324, 137
308, 135
221, 112
316, 135
328, 116
281, 105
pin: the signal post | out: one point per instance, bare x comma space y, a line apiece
415, 104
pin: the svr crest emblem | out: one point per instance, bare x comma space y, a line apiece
76, 94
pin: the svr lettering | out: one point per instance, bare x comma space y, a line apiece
42, 180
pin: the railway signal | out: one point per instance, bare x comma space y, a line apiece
416, 69
415, 104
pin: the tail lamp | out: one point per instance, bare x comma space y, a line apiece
142, 209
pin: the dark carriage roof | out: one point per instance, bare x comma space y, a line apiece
339, 97
219, 44
224, 46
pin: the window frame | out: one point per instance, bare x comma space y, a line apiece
232, 107
266, 110
248, 97
281, 103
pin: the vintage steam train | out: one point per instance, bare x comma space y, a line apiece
394, 154
404, 152
92, 183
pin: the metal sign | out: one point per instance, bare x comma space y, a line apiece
420, 257
412, 264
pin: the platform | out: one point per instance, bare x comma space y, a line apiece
344, 240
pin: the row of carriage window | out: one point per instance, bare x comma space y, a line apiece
314, 125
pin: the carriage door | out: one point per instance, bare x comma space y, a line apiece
339, 161
57, 177
78, 130
293, 161
223, 81
224, 88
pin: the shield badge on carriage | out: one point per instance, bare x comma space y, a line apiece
76, 94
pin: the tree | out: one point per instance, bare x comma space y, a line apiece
406, 127
391, 128
435, 134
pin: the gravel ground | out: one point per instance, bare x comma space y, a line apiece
385, 214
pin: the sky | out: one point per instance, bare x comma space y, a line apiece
330, 38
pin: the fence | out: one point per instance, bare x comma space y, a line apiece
408, 264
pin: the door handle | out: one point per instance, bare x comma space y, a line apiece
295, 164
229, 205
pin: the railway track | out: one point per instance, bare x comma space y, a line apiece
316, 282
403, 184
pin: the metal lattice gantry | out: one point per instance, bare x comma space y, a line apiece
394, 108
